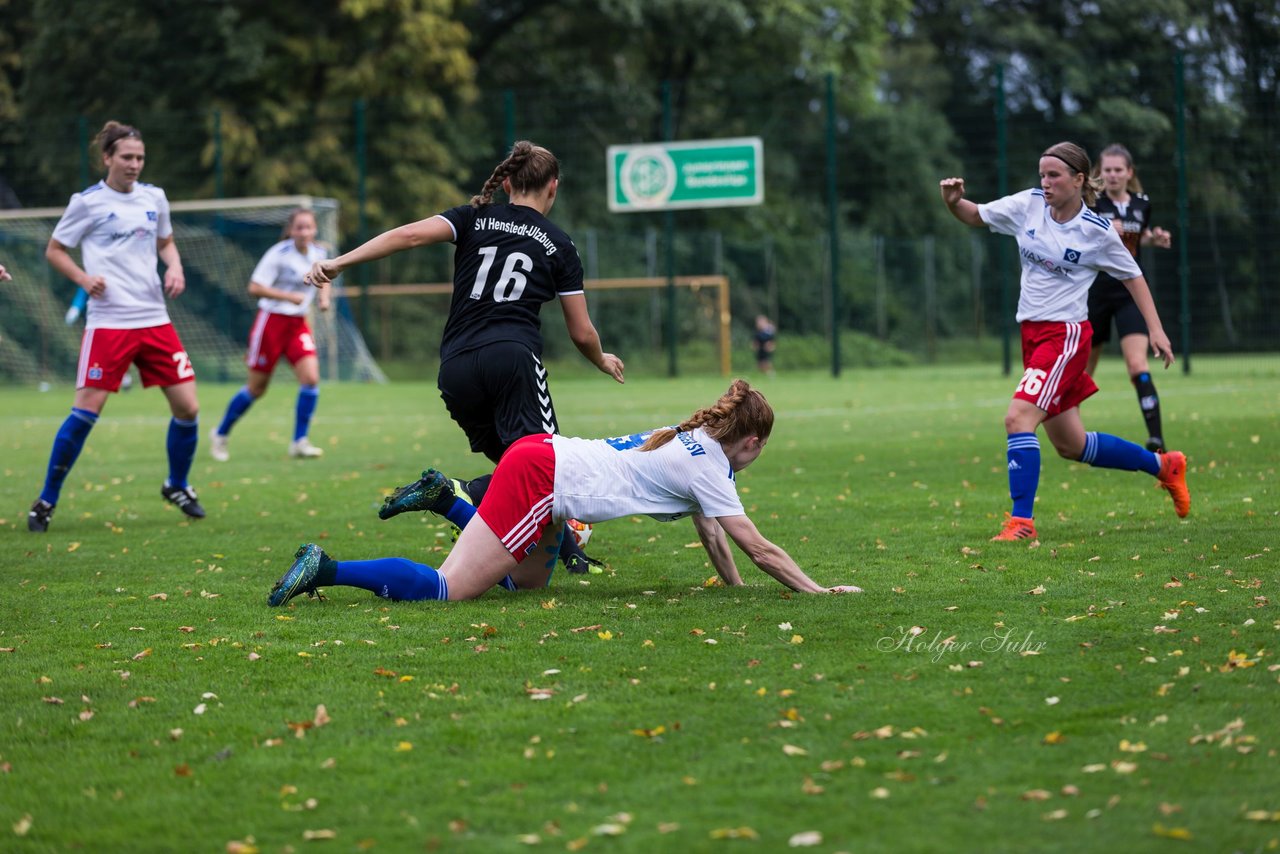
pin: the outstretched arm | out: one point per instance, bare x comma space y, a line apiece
961, 208
585, 337
424, 232
717, 546
772, 559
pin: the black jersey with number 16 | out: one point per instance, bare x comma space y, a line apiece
509, 260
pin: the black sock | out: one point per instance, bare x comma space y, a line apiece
569, 546
327, 571
477, 487
1149, 402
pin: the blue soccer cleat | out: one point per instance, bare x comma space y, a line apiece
301, 576
433, 490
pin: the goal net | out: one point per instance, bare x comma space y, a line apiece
221, 242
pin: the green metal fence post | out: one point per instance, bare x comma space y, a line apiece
362, 226
833, 223
1002, 247
217, 154
82, 131
509, 119
669, 227
1184, 226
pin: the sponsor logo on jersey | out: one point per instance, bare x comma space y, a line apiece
489, 223
1013, 466
1031, 232
151, 216
1071, 256
1045, 263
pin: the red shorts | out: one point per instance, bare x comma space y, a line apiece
1055, 355
517, 505
106, 354
276, 335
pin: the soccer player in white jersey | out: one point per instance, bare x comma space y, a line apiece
121, 225
1063, 246
281, 329
513, 537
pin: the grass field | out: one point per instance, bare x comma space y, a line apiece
1112, 686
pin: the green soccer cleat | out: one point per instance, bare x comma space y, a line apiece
427, 493
300, 577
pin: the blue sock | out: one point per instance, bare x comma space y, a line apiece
1104, 451
239, 404
307, 397
66, 448
1024, 472
460, 513
396, 578
181, 443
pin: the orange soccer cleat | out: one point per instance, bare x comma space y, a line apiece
1015, 528
1173, 477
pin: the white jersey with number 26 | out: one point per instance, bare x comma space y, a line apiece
1059, 259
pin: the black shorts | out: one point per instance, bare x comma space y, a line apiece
1111, 300
497, 393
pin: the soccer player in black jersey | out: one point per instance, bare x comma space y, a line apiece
509, 260
1129, 210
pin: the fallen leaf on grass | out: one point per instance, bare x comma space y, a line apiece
404, 747
1037, 795
734, 833
163, 597
792, 750
1038, 590
53, 701
22, 826
1180, 833
609, 829
1262, 815
1236, 660
142, 654
805, 839
315, 835
649, 733
1056, 815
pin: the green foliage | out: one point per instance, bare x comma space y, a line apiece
152, 698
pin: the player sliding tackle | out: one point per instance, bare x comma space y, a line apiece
512, 538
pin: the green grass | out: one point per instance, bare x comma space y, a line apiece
893, 480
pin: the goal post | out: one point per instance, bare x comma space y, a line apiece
385, 294
221, 241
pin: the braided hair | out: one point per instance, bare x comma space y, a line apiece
1077, 161
741, 411
530, 168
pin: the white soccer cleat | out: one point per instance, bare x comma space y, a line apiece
303, 449
218, 446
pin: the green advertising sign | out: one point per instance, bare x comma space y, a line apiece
708, 173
